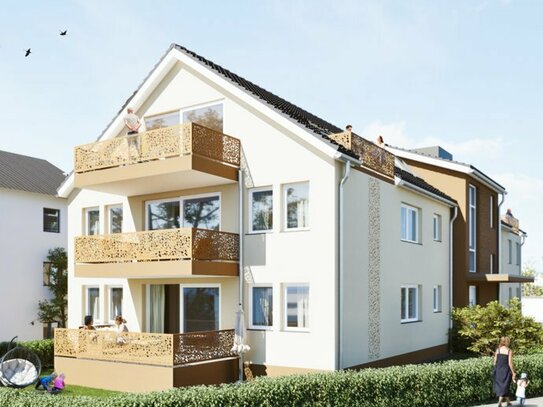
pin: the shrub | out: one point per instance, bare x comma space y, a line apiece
451, 383
477, 329
44, 348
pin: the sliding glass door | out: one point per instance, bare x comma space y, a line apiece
201, 308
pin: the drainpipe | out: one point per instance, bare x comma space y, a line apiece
451, 246
499, 252
241, 273
346, 173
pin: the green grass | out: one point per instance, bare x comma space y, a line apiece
72, 390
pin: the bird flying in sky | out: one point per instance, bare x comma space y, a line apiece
27, 52
63, 32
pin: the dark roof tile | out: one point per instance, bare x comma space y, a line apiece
419, 182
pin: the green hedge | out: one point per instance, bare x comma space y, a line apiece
44, 348
451, 383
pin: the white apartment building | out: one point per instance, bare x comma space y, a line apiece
512, 240
229, 194
33, 222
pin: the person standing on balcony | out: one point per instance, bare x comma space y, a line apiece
349, 128
132, 121
381, 141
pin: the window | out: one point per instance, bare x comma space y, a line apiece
410, 224
491, 212
201, 308
47, 273
261, 300
437, 298
472, 295
93, 303
491, 268
517, 249
209, 116
198, 212
261, 210
51, 220
509, 251
472, 223
161, 120
410, 303
115, 215
296, 206
437, 227
115, 302
92, 221
296, 297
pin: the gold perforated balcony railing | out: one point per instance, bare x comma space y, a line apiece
144, 348
167, 244
372, 156
511, 221
166, 142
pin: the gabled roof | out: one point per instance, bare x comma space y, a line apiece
24, 173
420, 183
447, 164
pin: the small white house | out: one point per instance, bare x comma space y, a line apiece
33, 221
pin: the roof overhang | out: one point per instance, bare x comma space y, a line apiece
167, 62
450, 165
414, 188
500, 278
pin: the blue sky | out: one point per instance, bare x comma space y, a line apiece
463, 74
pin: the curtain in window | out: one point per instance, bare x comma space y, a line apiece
301, 212
116, 302
94, 303
297, 306
262, 306
157, 301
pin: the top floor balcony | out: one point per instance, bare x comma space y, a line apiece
170, 158
373, 157
511, 221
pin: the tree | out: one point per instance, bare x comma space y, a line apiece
530, 289
478, 329
55, 309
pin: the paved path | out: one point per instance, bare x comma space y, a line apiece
529, 403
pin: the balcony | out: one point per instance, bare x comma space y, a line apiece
126, 361
512, 222
373, 157
158, 254
166, 159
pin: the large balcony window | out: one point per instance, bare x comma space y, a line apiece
472, 228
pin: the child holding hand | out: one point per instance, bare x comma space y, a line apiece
522, 383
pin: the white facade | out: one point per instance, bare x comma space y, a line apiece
23, 249
299, 266
511, 260
533, 307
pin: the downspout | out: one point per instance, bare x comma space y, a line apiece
499, 251
346, 173
241, 272
451, 235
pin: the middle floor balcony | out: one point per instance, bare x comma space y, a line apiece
158, 254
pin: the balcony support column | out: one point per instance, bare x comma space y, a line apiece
241, 262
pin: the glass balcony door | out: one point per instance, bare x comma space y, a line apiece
200, 308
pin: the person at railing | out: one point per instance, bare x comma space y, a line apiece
132, 122
121, 328
349, 128
381, 141
509, 214
88, 323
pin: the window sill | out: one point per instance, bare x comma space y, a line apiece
412, 242
296, 230
296, 330
268, 328
259, 232
438, 312
411, 321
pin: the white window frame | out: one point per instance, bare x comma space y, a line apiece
182, 301
260, 327
284, 220
437, 231
100, 305
108, 220
509, 251
181, 199
86, 221
491, 211
472, 295
183, 110
109, 308
406, 305
284, 305
472, 223
437, 298
250, 209
410, 208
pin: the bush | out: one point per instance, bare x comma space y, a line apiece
451, 383
44, 348
478, 329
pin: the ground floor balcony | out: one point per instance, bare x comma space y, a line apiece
167, 253
135, 361
166, 159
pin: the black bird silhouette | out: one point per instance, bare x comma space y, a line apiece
64, 32
27, 52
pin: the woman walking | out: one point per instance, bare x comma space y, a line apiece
503, 371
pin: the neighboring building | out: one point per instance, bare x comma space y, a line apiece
33, 221
478, 262
345, 256
512, 239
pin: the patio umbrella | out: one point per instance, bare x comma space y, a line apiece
239, 333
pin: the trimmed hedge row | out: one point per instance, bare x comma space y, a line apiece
44, 348
451, 383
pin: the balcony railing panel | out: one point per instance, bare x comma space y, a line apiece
373, 157
166, 142
145, 348
511, 221
167, 244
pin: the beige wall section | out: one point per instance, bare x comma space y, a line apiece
425, 265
